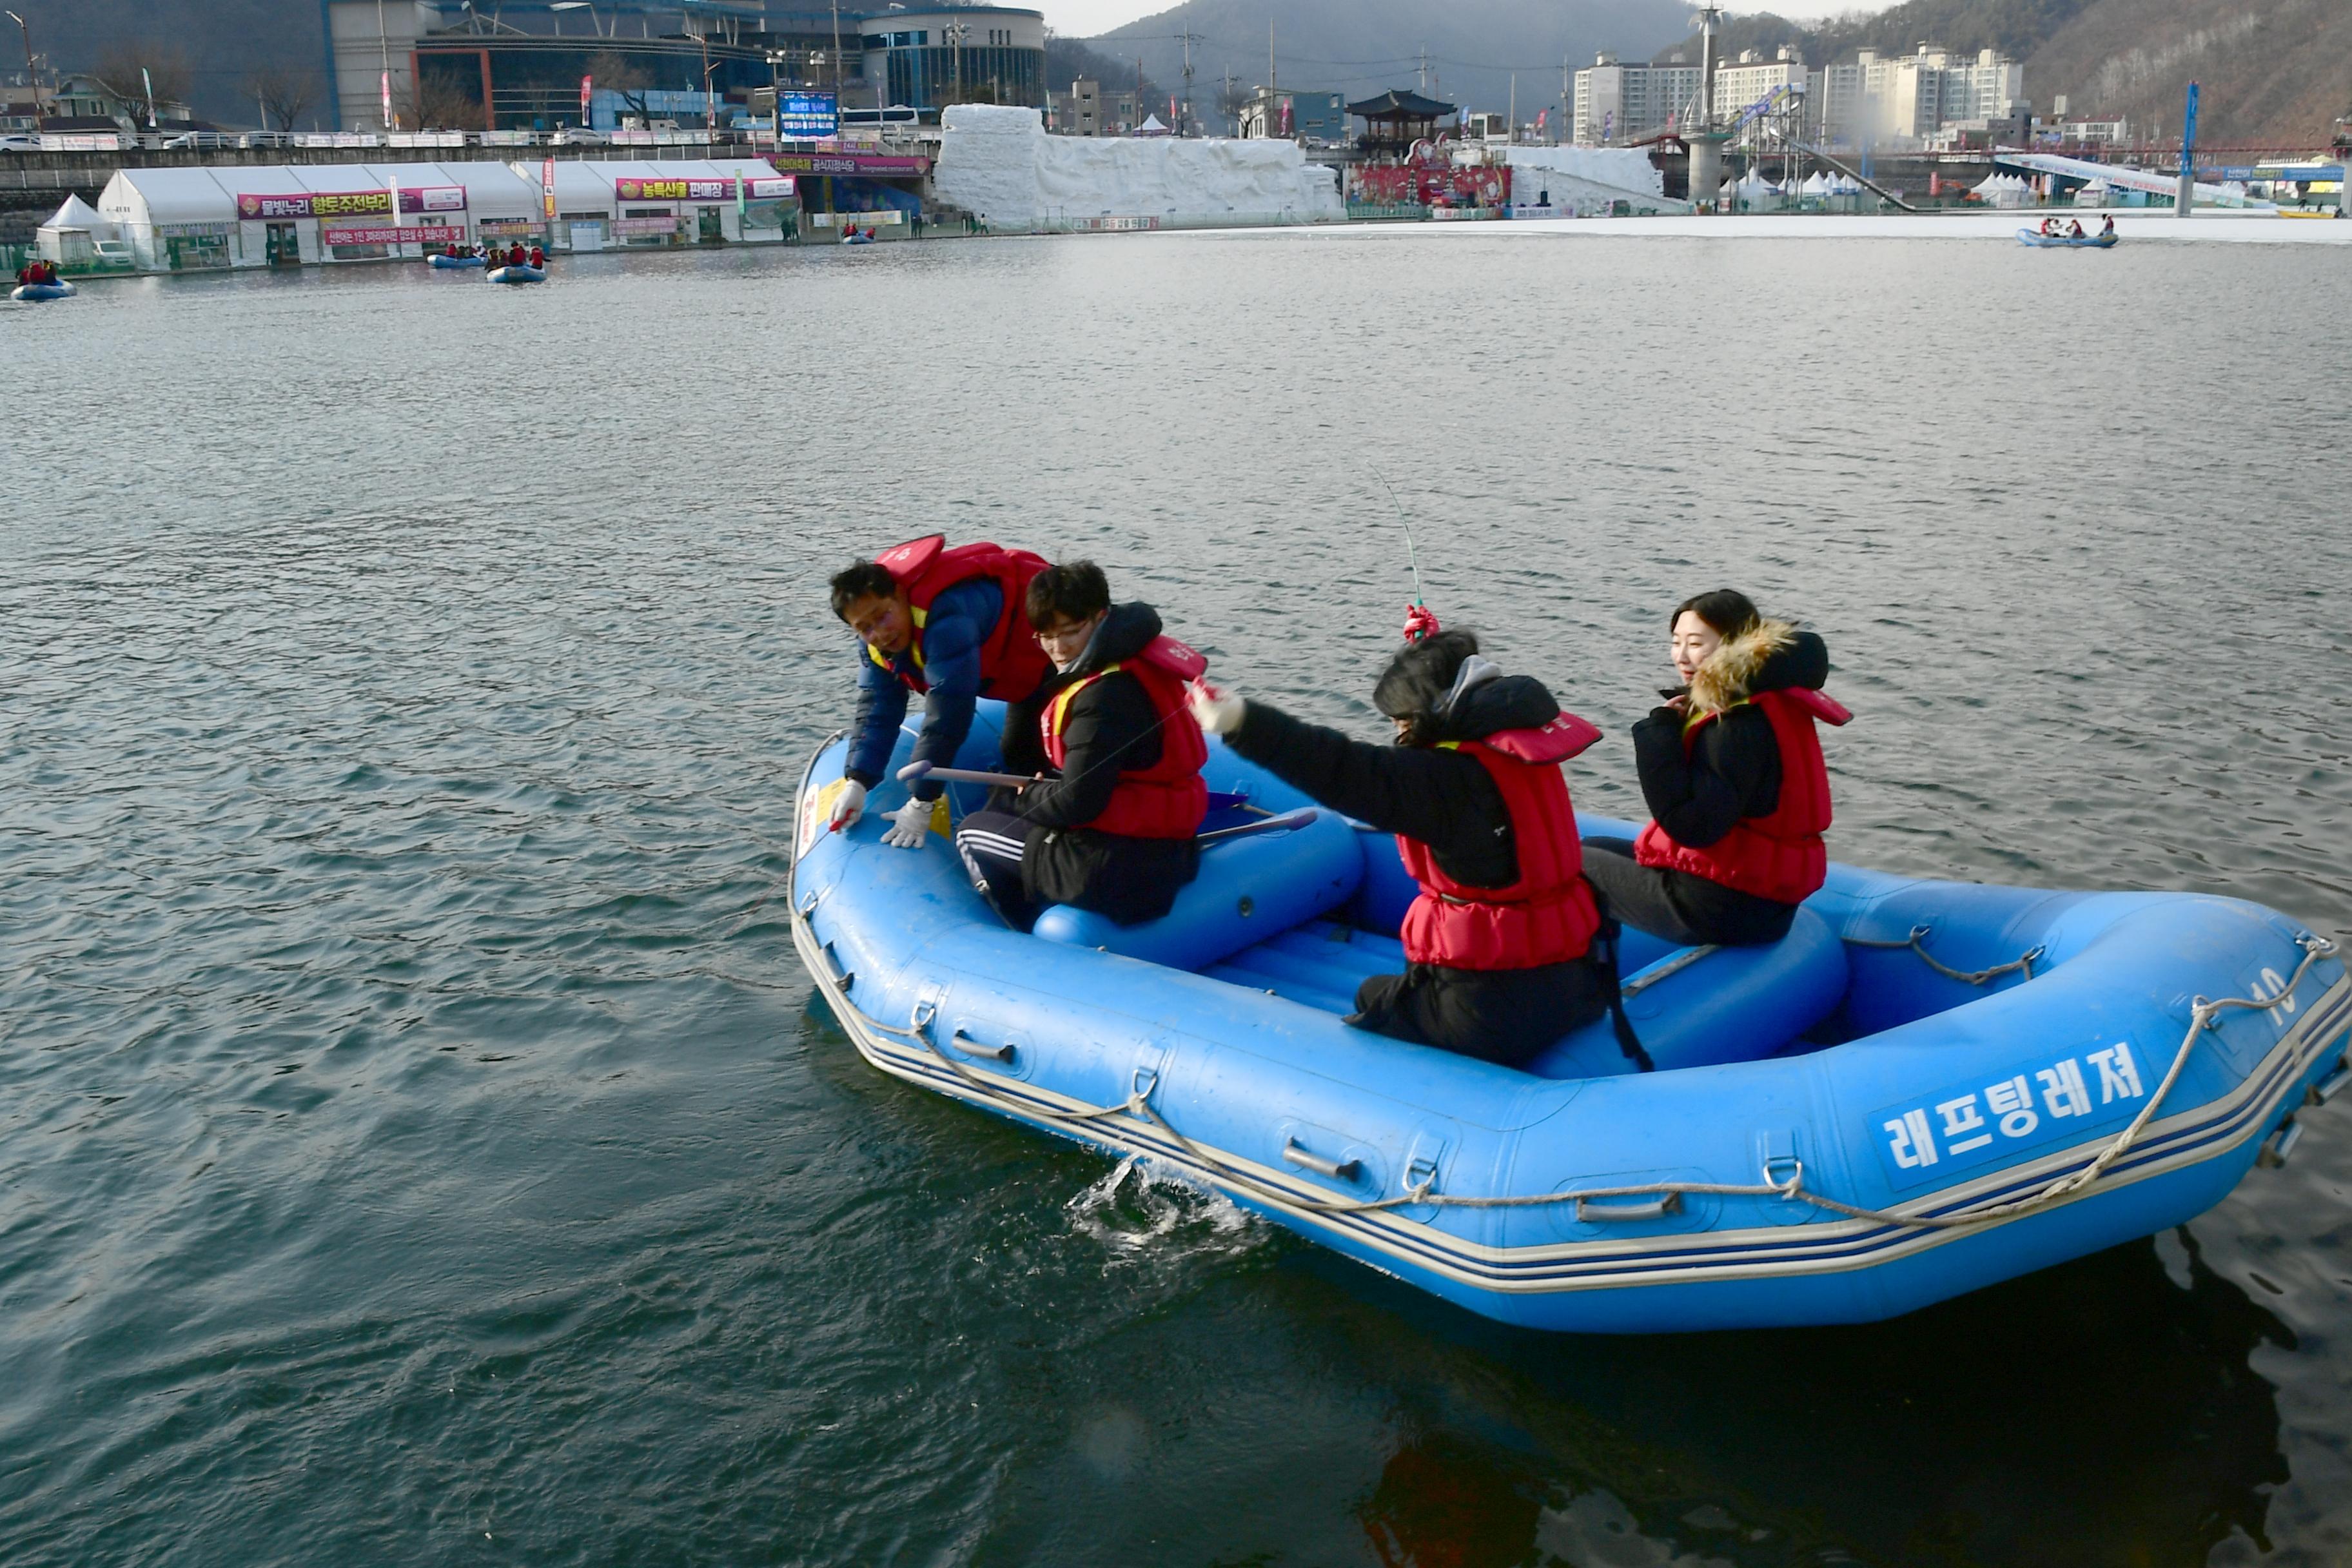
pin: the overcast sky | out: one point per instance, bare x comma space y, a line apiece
1085, 18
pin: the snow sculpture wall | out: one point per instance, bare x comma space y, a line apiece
999, 161
1582, 178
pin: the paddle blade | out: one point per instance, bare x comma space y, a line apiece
1287, 822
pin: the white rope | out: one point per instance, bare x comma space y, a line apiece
1138, 1104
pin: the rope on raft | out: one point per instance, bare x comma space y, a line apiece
2202, 1017
1916, 942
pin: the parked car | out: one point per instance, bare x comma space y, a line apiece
20, 143
581, 136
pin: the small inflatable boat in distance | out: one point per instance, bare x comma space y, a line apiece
454, 263
2040, 241
42, 293
1926, 1088
512, 273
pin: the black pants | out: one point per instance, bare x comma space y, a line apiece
991, 844
1507, 1016
1677, 906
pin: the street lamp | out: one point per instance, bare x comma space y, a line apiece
32, 73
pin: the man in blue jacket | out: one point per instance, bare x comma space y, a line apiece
950, 625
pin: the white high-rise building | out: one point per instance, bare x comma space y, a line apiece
1617, 103
1899, 101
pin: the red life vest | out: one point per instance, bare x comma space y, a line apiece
1168, 799
1011, 663
1547, 916
1779, 856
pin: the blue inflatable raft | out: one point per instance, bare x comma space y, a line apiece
454, 263
2040, 241
1926, 1088
37, 293
513, 274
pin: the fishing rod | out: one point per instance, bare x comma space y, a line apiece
1419, 622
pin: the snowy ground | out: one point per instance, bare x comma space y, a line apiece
2240, 228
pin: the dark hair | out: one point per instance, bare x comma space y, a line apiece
1728, 610
1070, 592
1418, 678
861, 580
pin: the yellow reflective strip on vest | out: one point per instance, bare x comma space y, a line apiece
1062, 703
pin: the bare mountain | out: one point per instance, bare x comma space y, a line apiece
1474, 49
2273, 73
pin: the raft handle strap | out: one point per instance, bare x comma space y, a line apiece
1916, 942
1590, 1213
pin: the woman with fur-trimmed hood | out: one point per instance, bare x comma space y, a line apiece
1731, 767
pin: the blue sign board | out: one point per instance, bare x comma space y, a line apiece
807, 115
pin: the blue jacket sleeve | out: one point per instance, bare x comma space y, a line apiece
881, 708
959, 624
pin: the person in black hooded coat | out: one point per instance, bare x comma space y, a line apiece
1035, 848
1437, 691
1727, 772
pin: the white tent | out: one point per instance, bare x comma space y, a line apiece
71, 236
1151, 127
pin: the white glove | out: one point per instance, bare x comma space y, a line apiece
1220, 712
909, 825
849, 804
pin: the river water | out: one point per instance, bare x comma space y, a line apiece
416, 1143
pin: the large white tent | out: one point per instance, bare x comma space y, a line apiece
185, 219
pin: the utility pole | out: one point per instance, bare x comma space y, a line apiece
1189, 38
32, 72
836, 59
1560, 132
1421, 73
955, 31
1226, 97
1272, 80
1513, 119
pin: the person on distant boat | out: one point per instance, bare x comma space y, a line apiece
1731, 767
539, 257
2108, 226
2049, 228
1499, 946
1111, 829
949, 624
2074, 228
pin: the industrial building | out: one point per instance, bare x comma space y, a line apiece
544, 65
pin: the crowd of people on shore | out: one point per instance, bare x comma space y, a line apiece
1510, 942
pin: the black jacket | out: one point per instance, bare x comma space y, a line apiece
1445, 799
1110, 728
1448, 801
1733, 769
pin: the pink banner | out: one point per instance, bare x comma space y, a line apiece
432, 198
848, 164
388, 236
316, 204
